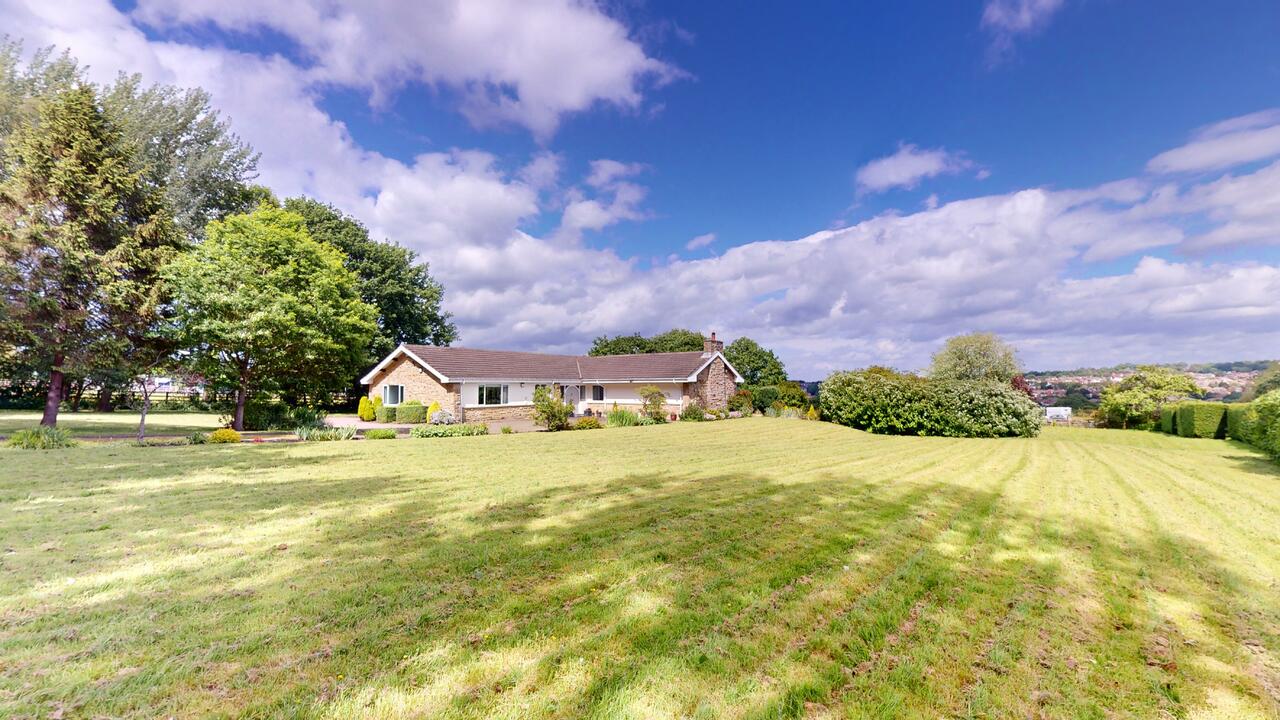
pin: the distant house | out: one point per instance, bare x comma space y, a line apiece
489, 385
1057, 414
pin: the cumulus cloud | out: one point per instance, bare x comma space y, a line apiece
1244, 139
1005, 20
884, 290
511, 61
907, 167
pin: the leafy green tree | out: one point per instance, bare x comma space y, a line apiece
260, 303
1135, 401
757, 365
407, 298
674, 340
82, 237
653, 402
1267, 380
976, 356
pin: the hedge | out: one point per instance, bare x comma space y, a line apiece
1169, 419
1240, 420
380, 434
1202, 419
411, 412
463, 429
883, 401
386, 414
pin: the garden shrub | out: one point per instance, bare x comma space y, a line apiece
432, 409
324, 433
41, 437
881, 400
646, 420
652, 402
621, 417
380, 434
1241, 418
792, 394
198, 438
693, 412
587, 423
386, 414
508, 430
741, 402
812, 414
224, 435
459, 430
550, 411
411, 412
377, 403
1199, 419
763, 397
365, 409
1169, 419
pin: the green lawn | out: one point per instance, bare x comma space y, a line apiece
742, 569
114, 423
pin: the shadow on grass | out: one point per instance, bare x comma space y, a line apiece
578, 599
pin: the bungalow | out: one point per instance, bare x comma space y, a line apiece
487, 385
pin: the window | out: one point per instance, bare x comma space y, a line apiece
492, 395
597, 392
392, 394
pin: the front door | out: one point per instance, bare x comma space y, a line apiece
572, 395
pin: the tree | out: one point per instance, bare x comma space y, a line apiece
405, 295
1267, 380
1135, 401
757, 365
976, 356
260, 301
653, 402
674, 340
82, 237
184, 146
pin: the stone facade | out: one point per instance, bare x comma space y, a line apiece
496, 413
714, 387
418, 385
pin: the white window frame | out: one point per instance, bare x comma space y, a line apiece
386, 400
502, 395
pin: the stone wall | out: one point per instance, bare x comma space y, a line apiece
715, 386
418, 385
497, 413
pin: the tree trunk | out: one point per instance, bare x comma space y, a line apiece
54, 398
104, 398
77, 392
242, 394
146, 405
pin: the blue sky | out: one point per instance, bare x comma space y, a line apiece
1093, 179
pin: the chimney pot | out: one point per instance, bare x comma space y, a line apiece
712, 345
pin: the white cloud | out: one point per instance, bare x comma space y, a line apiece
886, 289
1005, 20
1244, 139
907, 167
700, 241
511, 61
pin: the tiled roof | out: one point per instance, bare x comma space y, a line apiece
458, 364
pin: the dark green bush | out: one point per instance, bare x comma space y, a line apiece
275, 415
883, 401
459, 430
198, 438
1199, 419
41, 437
1169, 419
386, 414
411, 412
1266, 428
763, 396
380, 434
741, 401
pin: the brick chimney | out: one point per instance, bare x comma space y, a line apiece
711, 344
